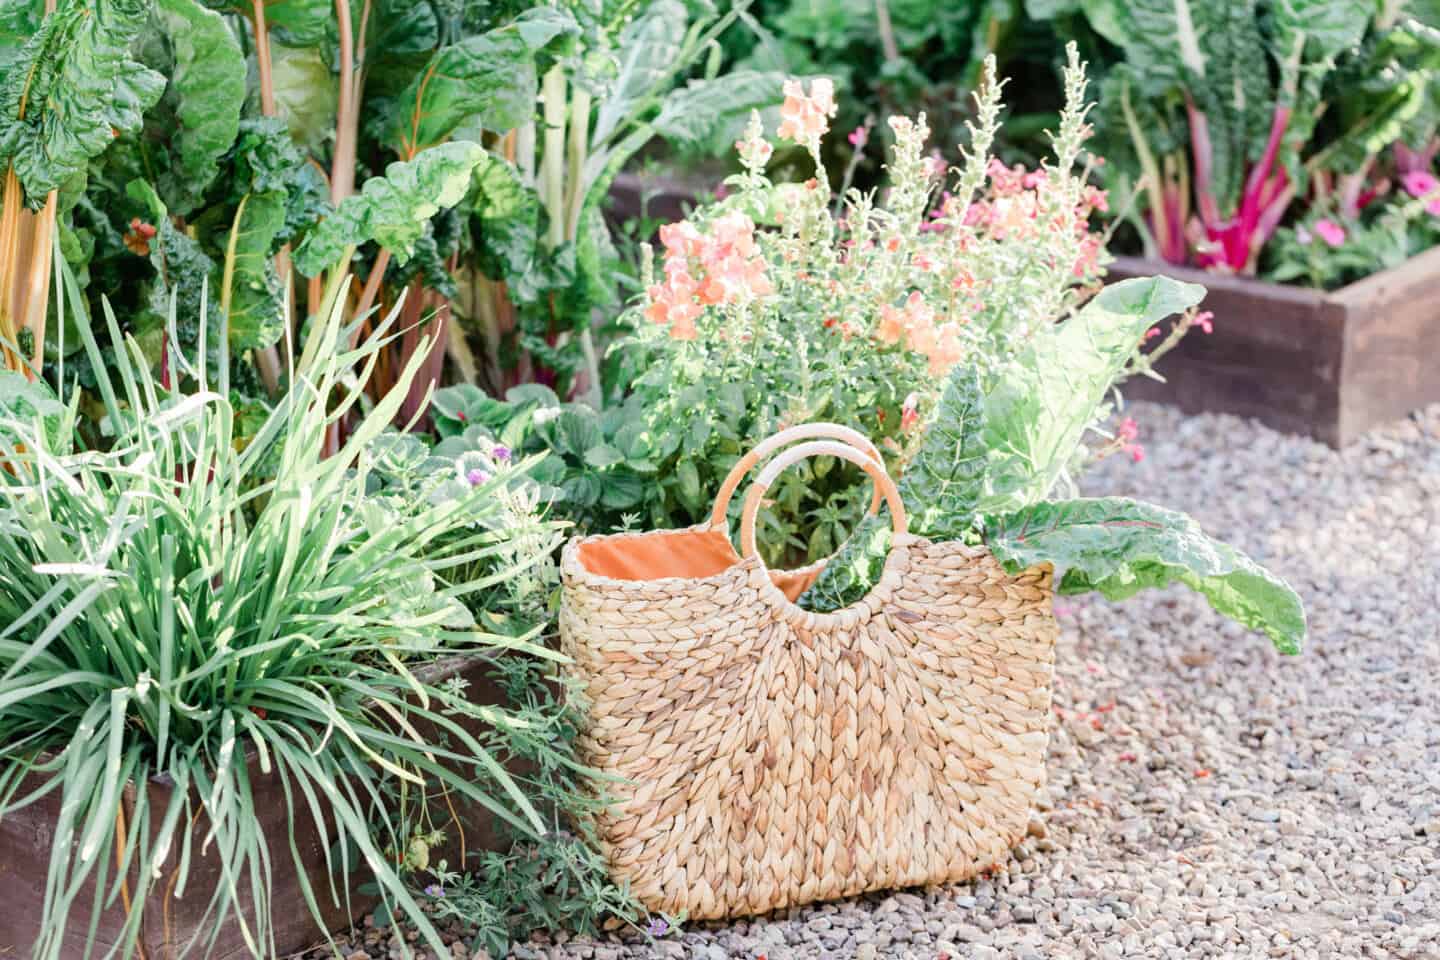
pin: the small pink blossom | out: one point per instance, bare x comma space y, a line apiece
1419, 183
859, 137
1204, 319
1422, 183
1128, 429
1330, 231
1137, 452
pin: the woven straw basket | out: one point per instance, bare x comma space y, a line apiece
766, 756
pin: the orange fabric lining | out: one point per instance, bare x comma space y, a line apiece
693, 554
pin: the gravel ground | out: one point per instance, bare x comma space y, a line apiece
1208, 797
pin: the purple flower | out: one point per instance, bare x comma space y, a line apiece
477, 477
658, 927
501, 453
435, 891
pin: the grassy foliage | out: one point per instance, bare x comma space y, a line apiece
179, 606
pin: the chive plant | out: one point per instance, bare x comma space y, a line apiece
185, 608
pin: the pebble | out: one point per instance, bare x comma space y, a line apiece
1233, 802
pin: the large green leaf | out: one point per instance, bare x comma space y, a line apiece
265, 160
853, 570
1214, 53
248, 283
649, 47
207, 85
392, 210
305, 94
711, 112
488, 80
71, 90
1119, 547
508, 219
1047, 395
19, 21
299, 23
944, 481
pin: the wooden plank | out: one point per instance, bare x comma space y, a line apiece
1392, 346
1275, 354
27, 836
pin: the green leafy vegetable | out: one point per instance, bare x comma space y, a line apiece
181, 271
1119, 547
945, 480
250, 294
71, 89
709, 112
487, 80
207, 85
392, 210
1048, 395
509, 219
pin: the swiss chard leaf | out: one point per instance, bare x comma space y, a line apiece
1118, 547
943, 483
392, 210
853, 570
265, 160
488, 80
649, 47
1047, 395
248, 284
207, 87
711, 112
71, 90
508, 219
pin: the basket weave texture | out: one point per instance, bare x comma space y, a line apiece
768, 756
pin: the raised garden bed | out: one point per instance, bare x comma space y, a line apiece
170, 924
1326, 365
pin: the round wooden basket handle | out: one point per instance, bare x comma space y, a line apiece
804, 431
817, 448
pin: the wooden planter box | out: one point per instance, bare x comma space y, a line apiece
169, 925
1326, 365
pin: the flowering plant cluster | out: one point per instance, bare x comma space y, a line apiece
783, 302
1357, 228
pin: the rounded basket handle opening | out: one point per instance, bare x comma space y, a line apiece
804, 431
884, 486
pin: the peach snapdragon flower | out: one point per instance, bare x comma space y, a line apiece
723, 266
804, 117
914, 323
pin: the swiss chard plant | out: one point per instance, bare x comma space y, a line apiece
1233, 115
459, 157
998, 446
